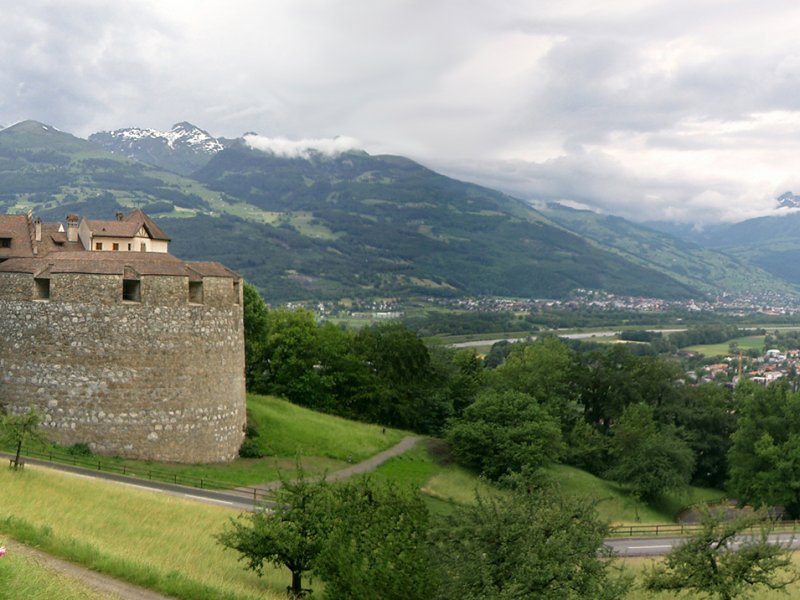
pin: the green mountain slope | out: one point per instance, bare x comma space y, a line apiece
772, 243
391, 226
685, 261
331, 227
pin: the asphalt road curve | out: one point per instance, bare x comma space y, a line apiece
659, 546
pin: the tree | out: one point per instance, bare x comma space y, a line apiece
723, 561
290, 353
530, 542
764, 458
255, 334
706, 420
648, 459
407, 388
17, 429
290, 534
545, 370
377, 544
505, 431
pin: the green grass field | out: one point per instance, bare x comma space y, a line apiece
745, 343
154, 540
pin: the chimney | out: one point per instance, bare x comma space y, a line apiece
120, 216
72, 228
37, 228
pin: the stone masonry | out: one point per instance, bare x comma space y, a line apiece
161, 379
136, 354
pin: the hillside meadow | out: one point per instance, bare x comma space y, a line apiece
150, 539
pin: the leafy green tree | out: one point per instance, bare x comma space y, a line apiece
377, 544
459, 376
611, 379
290, 534
255, 335
648, 459
706, 419
530, 542
544, 370
764, 457
723, 560
18, 429
505, 431
587, 448
290, 353
406, 392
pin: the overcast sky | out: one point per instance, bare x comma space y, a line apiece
683, 110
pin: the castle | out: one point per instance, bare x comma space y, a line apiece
117, 343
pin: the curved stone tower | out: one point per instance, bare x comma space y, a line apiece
136, 354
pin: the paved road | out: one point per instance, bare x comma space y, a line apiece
570, 336
663, 545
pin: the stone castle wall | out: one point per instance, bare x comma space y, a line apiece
159, 379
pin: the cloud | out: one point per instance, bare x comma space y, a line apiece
286, 148
598, 181
654, 108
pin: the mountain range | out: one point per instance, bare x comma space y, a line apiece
350, 225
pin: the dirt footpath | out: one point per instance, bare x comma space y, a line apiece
365, 466
102, 584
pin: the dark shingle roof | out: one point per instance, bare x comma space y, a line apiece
128, 264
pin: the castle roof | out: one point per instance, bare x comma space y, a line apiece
20, 252
127, 227
127, 264
14, 228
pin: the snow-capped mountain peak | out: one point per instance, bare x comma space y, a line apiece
183, 149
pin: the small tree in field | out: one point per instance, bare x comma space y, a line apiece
723, 560
291, 534
17, 429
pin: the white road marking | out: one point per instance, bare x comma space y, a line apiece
204, 499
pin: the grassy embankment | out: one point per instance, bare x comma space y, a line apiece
287, 434
149, 539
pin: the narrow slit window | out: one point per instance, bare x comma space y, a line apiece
236, 292
196, 292
131, 290
41, 288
